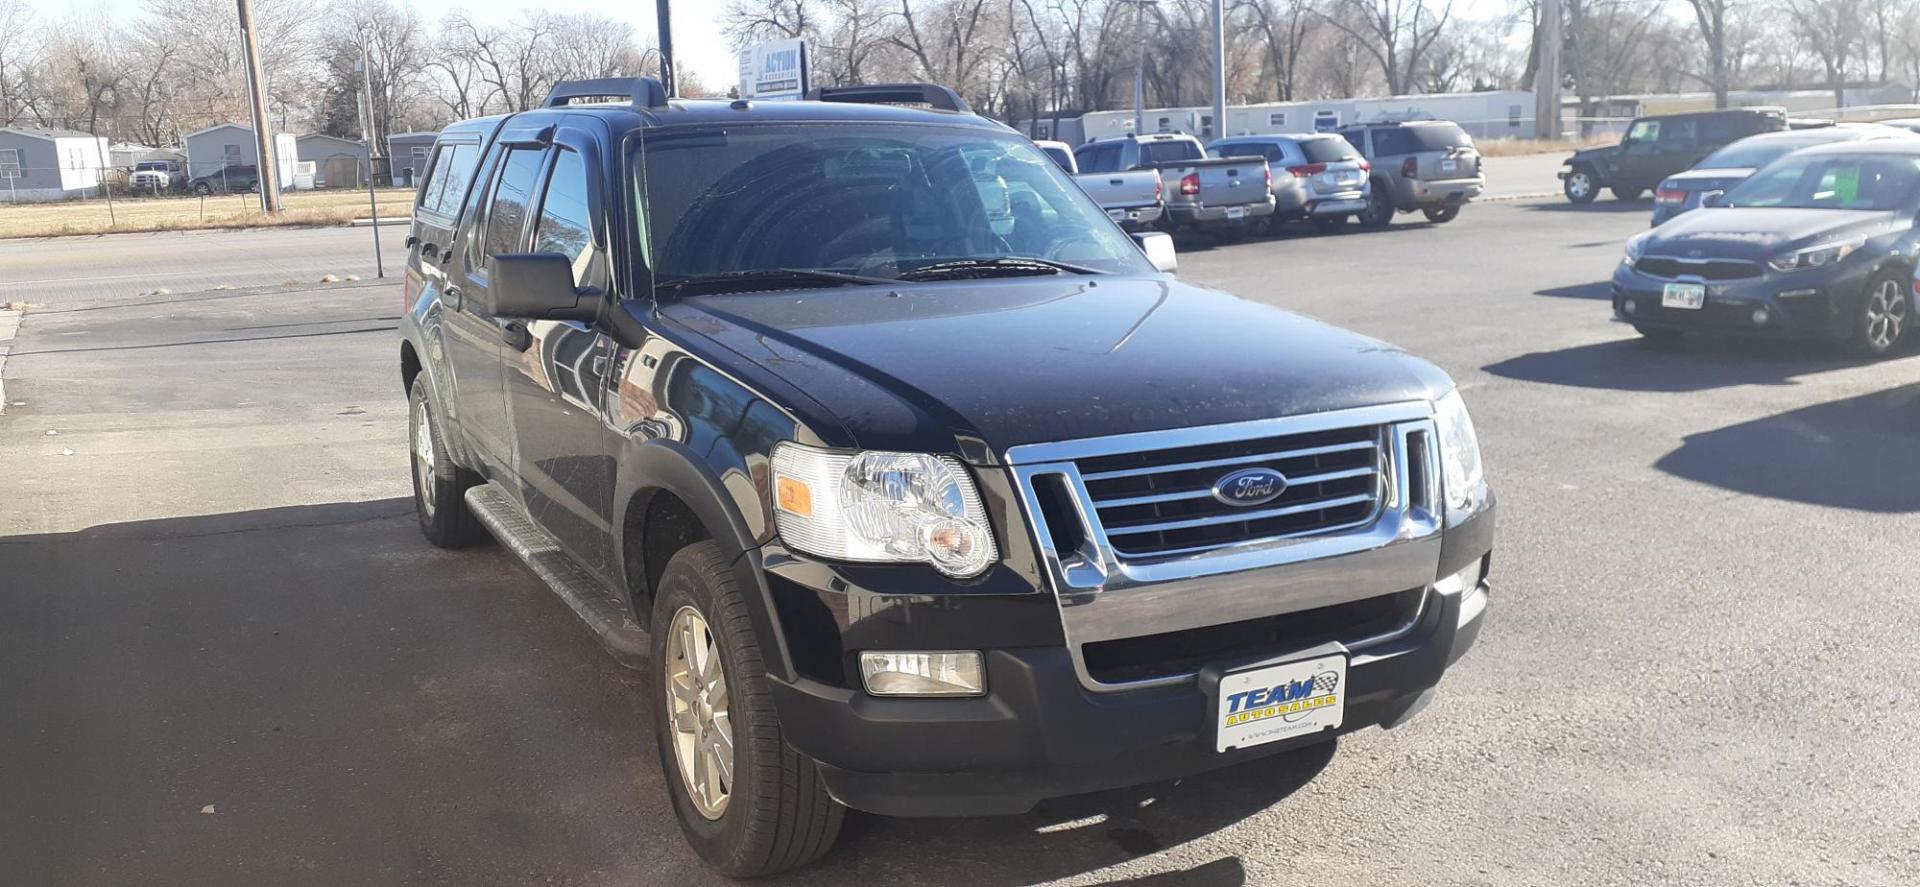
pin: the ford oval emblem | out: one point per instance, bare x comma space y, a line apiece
1250, 486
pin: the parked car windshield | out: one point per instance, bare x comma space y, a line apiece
146, 165
1440, 136
1748, 154
1832, 181
860, 200
1328, 150
1169, 151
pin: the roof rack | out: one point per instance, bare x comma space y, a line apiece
935, 96
643, 92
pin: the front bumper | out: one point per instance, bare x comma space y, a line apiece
1185, 214
1041, 733
1806, 304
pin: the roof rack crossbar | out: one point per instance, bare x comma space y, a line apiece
643, 92
930, 94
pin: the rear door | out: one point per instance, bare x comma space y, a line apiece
498, 222
555, 371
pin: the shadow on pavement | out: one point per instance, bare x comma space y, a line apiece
1603, 206
1601, 290
1855, 453
1693, 365
314, 695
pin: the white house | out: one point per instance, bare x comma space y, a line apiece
49, 164
218, 147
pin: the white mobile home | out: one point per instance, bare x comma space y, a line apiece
337, 162
1484, 115
49, 164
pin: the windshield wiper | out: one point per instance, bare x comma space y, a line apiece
994, 266
764, 278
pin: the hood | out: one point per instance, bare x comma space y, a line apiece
1707, 179
1757, 234
1008, 362
1604, 152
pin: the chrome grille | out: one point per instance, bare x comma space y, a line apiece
1160, 503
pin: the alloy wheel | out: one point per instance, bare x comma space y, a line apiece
697, 703
1886, 315
1579, 185
423, 454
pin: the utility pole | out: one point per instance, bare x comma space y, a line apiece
663, 16
1219, 69
266, 164
1546, 80
1140, 66
366, 135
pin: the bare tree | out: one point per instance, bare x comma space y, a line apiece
1284, 26
1397, 33
1713, 18
1831, 28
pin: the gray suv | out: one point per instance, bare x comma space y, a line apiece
1426, 165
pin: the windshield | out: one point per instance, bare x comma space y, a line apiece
1439, 136
1746, 155
150, 165
1831, 181
862, 200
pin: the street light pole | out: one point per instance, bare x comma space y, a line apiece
366, 136
1219, 69
266, 165
663, 16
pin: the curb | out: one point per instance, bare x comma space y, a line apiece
9, 325
368, 223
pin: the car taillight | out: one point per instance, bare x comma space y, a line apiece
1410, 168
1301, 172
1267, 173
1669, 195
1190, 184
1366, 166
1158, 189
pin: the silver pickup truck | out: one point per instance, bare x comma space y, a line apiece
1224, 196
1133, 198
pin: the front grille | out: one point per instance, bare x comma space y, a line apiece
1160, 503
1185, 652
1705, 269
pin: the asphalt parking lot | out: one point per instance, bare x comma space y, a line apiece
229, 658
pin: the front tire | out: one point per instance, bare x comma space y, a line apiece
1379, 211
203, 189
1579, 186
1441, 215
747, 803
439, 486
1885, 315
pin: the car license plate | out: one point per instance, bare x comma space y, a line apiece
1118, 215
1449, 165
1262, 705
1691, 296
1236, 212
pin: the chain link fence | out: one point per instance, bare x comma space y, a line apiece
159, 196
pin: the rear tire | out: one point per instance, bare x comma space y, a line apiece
775, 814
1379, 211
1329, 224
1886, 313
439, 486
1441, 215
1579, 185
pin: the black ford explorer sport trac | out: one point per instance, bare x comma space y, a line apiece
910, 481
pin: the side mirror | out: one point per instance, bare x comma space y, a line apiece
1713, 198
1158, 247
538, 286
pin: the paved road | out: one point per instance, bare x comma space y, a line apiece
1699, 669
53, 271
1526, 175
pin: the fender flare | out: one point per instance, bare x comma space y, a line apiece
662, 466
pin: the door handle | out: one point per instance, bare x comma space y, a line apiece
516, 335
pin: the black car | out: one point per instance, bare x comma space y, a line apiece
903, 503
239, 178
1659, 146
1817, 244
1727, 167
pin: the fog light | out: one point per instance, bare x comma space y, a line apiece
947, 673
1761, 316
1630, 306
1465, 580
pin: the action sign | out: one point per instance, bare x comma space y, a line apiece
774, 71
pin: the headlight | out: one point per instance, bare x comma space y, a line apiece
1634, 245
881, 507
1459, 450
1816, 256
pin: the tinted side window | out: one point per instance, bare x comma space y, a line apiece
507, 216
1242, 150
1356, 139
1391, 140
446, 186
1677, 132
564, 225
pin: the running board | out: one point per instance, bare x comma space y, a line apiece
602, 610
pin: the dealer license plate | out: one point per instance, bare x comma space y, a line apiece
1263, 705
1449, 165
1690, 296
1236, 212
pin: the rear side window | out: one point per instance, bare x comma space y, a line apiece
1392, 140
1244, 150
1328, 150
446, 184
1354, 138
1439, 136
507, 216
1168, 152
565, 226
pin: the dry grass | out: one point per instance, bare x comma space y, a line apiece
189, 213
1518, 147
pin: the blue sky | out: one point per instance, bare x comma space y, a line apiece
696, 30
